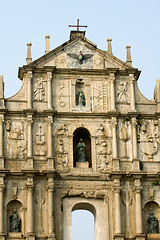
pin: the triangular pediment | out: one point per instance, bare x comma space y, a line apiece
79, 53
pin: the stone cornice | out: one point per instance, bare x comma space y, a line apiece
78, 71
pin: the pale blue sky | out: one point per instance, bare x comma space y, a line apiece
127, 22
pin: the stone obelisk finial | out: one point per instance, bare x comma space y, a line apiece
109, 40
128, 59
29, 59
47, 37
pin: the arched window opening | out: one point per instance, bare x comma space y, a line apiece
81, 137
82, 225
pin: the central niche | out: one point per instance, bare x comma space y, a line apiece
81, 143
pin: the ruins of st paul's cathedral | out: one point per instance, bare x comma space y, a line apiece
79, 135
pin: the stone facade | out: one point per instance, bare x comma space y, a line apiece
41, 179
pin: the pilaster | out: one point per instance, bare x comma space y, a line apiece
134, 144
114, 144
30, 210
138, 207
1, 142
50, 148
49, 83
29, 79
50, 189
132, 93
30, 150
2, 186
118, 230
112, 82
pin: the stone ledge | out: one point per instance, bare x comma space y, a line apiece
153, 236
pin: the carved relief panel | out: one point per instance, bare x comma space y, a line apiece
39, 89
122, 94
99, 94
61, 148
148, 140
15, 139
40, 139
103, 148
124, 136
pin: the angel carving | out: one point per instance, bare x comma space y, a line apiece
80, 57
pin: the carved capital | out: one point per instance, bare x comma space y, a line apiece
2, 186
1, 119
112, 77
29, 120
114, 122
138, 189
29, 187
49, 120
131, 78
49, 76
50, 188
134, 122
117, 189
29, 75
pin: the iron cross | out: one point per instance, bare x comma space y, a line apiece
77, 26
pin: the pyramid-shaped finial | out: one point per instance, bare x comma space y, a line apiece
29, 59
47, 37
128, 59
109, 40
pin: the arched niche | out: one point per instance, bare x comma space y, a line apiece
79, 88
15, 210
150, 206
81, 133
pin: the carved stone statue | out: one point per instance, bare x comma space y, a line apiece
80, 98
153, 223
81, 151
15, 222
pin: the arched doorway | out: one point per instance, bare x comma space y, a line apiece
82, 225
82, 133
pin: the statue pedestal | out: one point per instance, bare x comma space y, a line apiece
153, 236
141, 237
2, 236
30, 236
15, 234
82, 164
119, 237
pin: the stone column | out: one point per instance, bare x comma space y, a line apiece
1, 211
49, 78
50, 148
50, 208
30, 135
30, 210
117, 210
134, 144
29, 79
1, 142
132, 94
114, 144
138, 207
112, 81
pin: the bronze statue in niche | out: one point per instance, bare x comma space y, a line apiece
153, 223
81, 151
15, 222
81, 146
